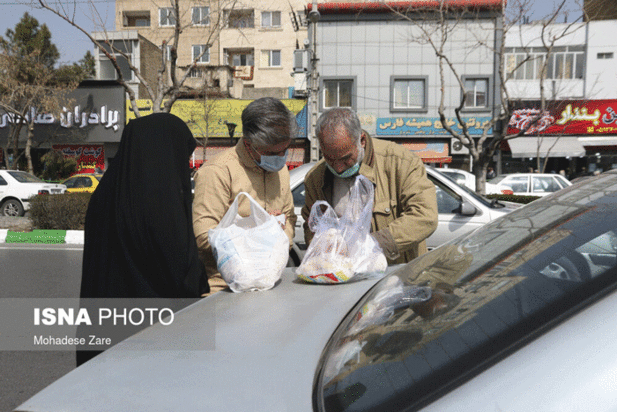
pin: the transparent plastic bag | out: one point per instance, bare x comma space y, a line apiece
342, 248
251, 252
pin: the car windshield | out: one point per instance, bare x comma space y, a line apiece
23, 177
471, 193
452, 312
497, 179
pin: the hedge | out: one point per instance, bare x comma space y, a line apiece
59, 212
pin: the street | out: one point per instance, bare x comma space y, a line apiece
35, 271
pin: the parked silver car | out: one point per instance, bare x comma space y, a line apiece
460, 209
515, 316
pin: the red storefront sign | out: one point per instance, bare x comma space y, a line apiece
89, 157
568, 117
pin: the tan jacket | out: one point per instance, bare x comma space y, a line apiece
405, 204
219, 181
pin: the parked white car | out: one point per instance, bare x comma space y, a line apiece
17, 187
463, 177
460, 209
531, 184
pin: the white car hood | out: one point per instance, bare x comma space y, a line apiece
267, 349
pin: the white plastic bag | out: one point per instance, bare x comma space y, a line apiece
342, 248
251, 252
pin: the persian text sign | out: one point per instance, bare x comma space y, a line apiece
570, 117
89, 157
392, 126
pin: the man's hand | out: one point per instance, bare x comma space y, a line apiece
282, 219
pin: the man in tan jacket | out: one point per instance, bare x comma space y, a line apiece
405, 204
256, 165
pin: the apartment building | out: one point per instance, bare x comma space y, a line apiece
243, 49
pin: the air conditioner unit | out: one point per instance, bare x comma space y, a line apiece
456, 147
301, 60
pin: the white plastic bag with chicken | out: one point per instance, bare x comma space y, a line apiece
251, 252
342, 248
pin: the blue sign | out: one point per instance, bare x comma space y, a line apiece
394, 126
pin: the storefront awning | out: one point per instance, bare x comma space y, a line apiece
545, 146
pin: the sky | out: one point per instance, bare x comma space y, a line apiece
73, 44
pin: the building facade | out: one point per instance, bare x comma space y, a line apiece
576, 75
241, 49
378, 60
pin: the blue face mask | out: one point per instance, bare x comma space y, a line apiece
272, 163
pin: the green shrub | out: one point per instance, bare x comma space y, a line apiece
59, 212
56, 167
514, 198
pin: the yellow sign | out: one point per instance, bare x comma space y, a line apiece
209, 117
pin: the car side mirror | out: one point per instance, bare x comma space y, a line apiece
467, 209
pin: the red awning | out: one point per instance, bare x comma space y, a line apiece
385, 7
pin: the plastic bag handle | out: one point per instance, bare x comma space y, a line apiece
256, 208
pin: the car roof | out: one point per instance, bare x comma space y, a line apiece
259, 359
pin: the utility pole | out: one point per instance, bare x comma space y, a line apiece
314, 86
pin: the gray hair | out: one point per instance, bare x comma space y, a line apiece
332, 118
267, 122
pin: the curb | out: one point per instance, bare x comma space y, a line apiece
73, 237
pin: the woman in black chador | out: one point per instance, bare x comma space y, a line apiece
139, 240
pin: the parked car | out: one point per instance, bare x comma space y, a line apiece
82, 182
463, 177
531, 184
515, 316
460, 209
17, 187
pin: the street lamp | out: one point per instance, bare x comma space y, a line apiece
231, 127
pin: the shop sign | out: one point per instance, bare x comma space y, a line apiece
210, 117
430, 126
89, 157
570, 117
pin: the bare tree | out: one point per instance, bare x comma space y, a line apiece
436, 27
171, 78
29, 84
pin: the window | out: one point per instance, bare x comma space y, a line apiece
408, 93
195, 72
240, 19
201, 16
337, 93
166, 17
242, 59
476, 93
564, 62
604, 56
198, 49
137, 19
271, 19
270, 58
108, 72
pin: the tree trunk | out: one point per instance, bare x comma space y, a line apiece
29, 146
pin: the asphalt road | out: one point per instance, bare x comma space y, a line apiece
35, 271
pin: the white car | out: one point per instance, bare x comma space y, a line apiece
516, 316
17, 187
463, 177
460, 209
531, 184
